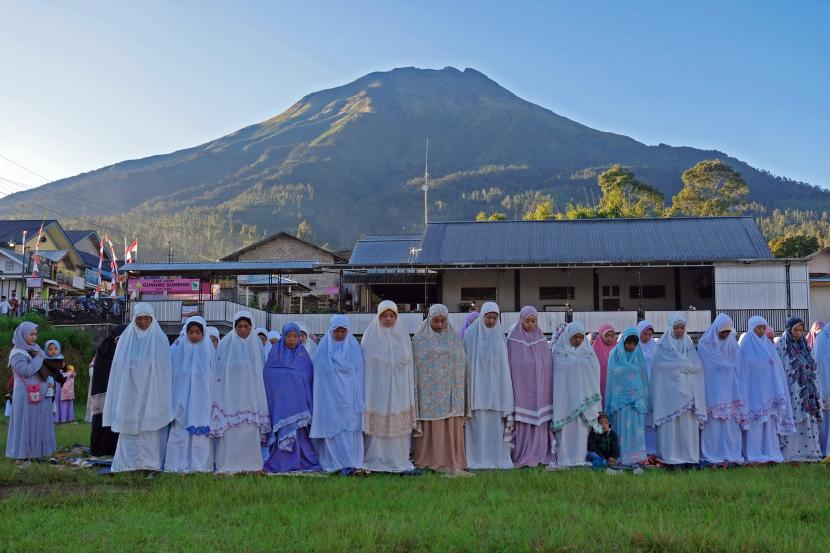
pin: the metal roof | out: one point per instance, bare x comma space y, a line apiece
52, 255
386, 250
591, 241
223, 267
11, 230
233, 256
76, 236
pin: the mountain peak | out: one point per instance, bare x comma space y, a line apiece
343, 159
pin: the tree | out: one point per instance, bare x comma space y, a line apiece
794, 246
541, 212
495, 216
304, 230
711, 188
622, 196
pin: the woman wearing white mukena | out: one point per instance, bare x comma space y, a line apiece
678, 395
239, 419
139, 403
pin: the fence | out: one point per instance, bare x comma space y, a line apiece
777, 318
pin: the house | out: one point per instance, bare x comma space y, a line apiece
818, 266
88, 244
59, 265
283, 246
617, 269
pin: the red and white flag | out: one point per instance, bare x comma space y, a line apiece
130, 250
113, 268
36, 256
100, 264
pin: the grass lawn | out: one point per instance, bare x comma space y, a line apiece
46, 508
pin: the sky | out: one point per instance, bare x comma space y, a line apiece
85, 84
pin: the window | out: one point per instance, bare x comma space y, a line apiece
473, 294
11, 267
556, 292
650, 292
611, 291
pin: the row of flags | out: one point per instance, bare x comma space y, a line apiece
130, 256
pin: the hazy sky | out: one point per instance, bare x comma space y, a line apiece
85, 84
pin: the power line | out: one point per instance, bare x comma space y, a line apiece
13, 162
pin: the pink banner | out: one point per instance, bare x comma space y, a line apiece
169, 285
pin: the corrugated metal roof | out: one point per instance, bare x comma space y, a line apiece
11, 230
224, 267
76, 236
688, 239
386, 250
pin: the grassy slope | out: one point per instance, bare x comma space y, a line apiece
783, 508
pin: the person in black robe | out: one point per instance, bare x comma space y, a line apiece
102, 440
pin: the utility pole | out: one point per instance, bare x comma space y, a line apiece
169, 251
425, 187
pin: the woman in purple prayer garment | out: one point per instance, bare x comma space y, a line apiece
288, 378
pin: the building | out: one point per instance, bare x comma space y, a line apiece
618, 269
321, 287
60, 269
818, 266
87, 243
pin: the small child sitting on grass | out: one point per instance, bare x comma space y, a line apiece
603, 447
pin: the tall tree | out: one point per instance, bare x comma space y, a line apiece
794, 246
622, 196
541, 212
711, 188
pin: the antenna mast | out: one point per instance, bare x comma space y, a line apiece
425, 187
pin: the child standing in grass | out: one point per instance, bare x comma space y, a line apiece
64, 410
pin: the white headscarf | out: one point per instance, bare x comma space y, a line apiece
763, 382
575, 380
488, 370
139, 395
677, 383
721, 368
390, 378
339, 384
309, 344
648, 348
239, 389
213, 331
193, 367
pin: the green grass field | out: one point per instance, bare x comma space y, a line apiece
59, 508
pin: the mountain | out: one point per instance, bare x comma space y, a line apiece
350, 161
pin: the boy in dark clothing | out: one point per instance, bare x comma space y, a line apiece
603, 447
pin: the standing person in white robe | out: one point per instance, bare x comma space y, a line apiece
576, 395
678, 395
239, 418
338, 399
648, 345
308, 342
768, 411
721, 440
488, 433
189, 448
390, 416
822, 354
262, 335
805, 394
213, 334
273, 338
139, 403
